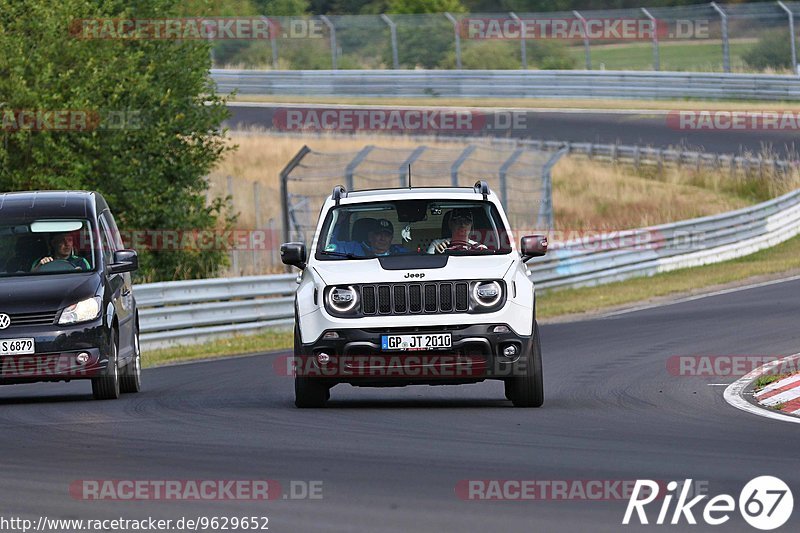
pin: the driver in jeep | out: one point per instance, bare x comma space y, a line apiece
63, 250
460, 224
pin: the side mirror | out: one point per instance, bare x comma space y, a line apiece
294, 254
124, 261
533, 246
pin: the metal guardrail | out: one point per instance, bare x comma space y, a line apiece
509, 84
185, 312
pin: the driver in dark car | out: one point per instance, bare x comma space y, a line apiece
460, 225
63, 250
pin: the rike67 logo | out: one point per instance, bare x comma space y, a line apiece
765, 503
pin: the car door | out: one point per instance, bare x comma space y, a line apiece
119, 285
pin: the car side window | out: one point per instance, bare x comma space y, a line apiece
115, 237
105, 242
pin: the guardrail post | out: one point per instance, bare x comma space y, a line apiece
792, 36
284, 177
273, 40
726, 52
234, 252
452, 19
393, 36
334, 51
546, 217
656, 57
504, 171
418, 151
349, 171
458, 162
523, 49
257, 216
586, 45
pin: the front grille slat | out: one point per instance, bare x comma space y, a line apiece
431, 300
368, 305
33, 319
384, 300
400, 305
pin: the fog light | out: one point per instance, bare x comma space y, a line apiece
331, 335
510, 351
82, 358
500, 329
323, 358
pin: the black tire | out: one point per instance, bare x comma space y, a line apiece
527, 390
130, 380
107, 387
308, 392
509, 388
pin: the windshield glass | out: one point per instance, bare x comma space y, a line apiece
46, 246
454, 227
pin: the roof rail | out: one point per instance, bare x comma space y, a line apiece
338, 193
481, 187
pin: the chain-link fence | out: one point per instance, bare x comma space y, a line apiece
704, 37
520, 175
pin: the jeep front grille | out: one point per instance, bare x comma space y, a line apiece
415, 298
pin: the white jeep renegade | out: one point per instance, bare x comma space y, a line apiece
415, 286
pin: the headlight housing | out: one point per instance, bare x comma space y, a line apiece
341, 300
83, 311
486, 294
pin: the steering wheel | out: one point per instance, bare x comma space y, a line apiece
56, 265
458, 246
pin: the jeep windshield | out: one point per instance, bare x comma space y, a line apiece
46, 246
416, 227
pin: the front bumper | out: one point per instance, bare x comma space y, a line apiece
56, 353
356, 357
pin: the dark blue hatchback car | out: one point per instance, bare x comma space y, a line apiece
67, 309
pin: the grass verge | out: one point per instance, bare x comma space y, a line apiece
241, 344
766, 379
782, 258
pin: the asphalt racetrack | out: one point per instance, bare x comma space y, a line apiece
391, 459
645, 128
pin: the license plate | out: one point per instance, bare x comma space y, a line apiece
428, 341
16, 347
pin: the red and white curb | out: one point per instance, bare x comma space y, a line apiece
785, 391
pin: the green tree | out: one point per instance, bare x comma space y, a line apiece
160, 131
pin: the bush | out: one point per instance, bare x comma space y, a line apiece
773, 50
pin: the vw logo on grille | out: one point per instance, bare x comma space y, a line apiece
5, 321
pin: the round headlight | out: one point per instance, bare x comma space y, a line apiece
342, 299
487, 293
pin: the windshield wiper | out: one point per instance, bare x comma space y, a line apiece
346, 255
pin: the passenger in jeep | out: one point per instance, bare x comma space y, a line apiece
459, 223
379, 239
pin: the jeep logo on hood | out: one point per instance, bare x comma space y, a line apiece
413, 275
